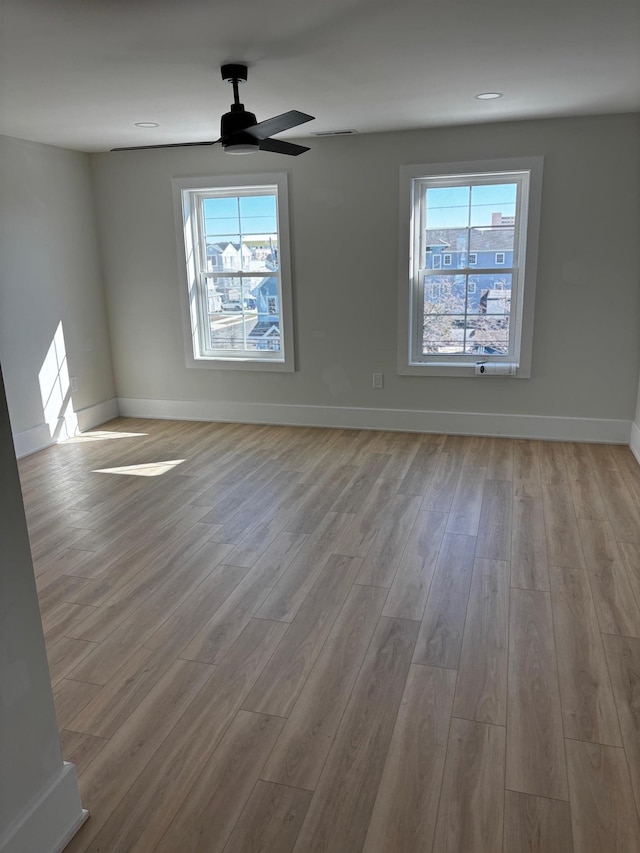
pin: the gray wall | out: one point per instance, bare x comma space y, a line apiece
344, 214
29, 747
49, 273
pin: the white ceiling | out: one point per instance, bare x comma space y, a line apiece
80, 73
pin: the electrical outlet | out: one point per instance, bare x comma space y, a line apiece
378, 380
73, 381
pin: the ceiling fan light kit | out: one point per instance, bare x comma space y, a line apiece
240, 131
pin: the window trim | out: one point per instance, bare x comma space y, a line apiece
407, 311
182, 210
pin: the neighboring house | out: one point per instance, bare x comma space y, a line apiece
266, 333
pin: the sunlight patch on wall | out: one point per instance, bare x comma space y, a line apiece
55, 390
148, 469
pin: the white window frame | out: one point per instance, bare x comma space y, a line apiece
500, 258
527, 172
474, 262
446, 259
185, 192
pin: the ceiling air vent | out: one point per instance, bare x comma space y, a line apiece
333, 132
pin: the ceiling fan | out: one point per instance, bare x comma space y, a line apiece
240, 131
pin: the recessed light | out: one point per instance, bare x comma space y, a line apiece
147, 124
488, 96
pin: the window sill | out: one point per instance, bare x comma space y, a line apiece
225, 363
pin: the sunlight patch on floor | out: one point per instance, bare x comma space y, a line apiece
147, 469
102, 435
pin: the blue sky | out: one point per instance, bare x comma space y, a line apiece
227, 218
462, 207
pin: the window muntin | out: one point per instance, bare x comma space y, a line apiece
238, 303
480, 213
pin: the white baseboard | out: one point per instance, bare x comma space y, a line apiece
39, 437
634, 443
51, 820
399, 420
99, 414
32, 440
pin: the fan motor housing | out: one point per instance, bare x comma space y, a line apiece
236, 121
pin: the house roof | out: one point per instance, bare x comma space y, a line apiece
80, 75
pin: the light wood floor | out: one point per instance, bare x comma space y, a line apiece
283, 639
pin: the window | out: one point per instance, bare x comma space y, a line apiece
436, 262
234, 271
446, 260
483, 309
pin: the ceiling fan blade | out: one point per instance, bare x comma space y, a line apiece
171, 145
274, 125
280, 146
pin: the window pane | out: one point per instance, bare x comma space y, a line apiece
446, 244
244, 313
492, 220
258, 214
447, 207
489, 314
444, 314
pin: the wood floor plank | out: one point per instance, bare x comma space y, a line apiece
440, 638
623, 658
464, 515
405, 811
104, 620
603, 813
442, 487
63, 620
69, 697
217, 797
618, 611
470, 816
535, 748
561, 530
364, 525
321, 499
301, 750
536, 825
292, 587
410, 587
553, 468
341, 806
271, 820
215, 638
500, 464
383, 558
526, 461
494, 528
630, 553
529, 568
64, 655
278, 687
119, 763
146, 811
79, 748
587, 499
588, 707
423, 466
481, 691
189, 617
624, 513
